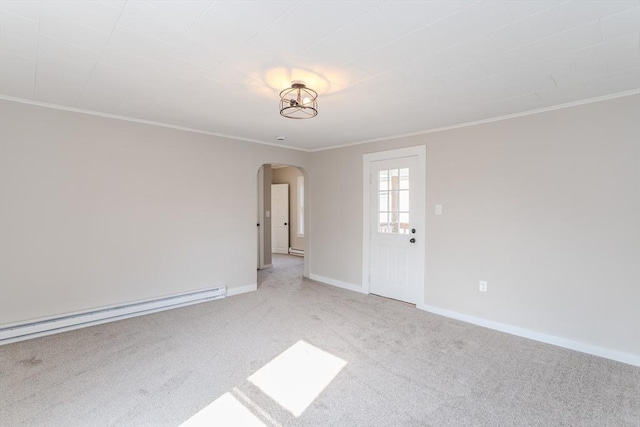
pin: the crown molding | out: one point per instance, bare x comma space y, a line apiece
484, 121
333, 147
143, 121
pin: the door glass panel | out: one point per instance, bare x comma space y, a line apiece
404, 223
384, 201
404, 201
404, 179
393, 201
384, 180
383, 223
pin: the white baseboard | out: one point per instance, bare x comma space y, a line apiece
241, 290
631, 359
337, 283
51, 325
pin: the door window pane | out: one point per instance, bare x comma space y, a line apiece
394, 179
404, 222
384, 201
404, 179
383, 223
383, 180
393, 201
404, 201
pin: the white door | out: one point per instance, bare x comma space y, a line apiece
396, 226
280, 218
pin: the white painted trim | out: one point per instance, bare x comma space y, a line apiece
333, 147
146, 122
51, 325
483, 121
241, 290
337, 283
366, 223
618, 356
419, 151
261, 221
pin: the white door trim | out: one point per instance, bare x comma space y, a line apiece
421, 152
260, 219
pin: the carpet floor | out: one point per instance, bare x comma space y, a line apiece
298, 352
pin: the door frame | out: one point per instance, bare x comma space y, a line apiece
263, 229
264, 222
367, 180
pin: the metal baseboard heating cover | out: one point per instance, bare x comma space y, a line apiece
21, 331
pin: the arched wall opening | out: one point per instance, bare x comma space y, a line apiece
298, 241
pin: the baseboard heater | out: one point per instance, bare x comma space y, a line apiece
298, 252
22, 331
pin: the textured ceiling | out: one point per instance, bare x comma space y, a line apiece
382, 68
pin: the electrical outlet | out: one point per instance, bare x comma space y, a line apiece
483, 286
438, 209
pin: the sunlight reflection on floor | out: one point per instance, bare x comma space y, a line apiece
294, 379
297, 376
225, 411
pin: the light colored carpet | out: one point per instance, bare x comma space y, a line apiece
403, 367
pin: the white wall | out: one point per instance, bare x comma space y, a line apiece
98, 211
544, 207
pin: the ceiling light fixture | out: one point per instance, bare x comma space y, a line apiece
298, 102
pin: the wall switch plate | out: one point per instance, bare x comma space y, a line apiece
267, 214
483, 286
438, 209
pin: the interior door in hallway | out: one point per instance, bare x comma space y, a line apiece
280, 218
396, 228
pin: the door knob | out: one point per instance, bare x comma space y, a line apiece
412, 240
285, 223
413, 230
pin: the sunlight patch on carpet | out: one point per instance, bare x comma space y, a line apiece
297, 376
225, 411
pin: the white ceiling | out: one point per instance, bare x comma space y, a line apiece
382, 68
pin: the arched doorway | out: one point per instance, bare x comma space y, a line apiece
296, 183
